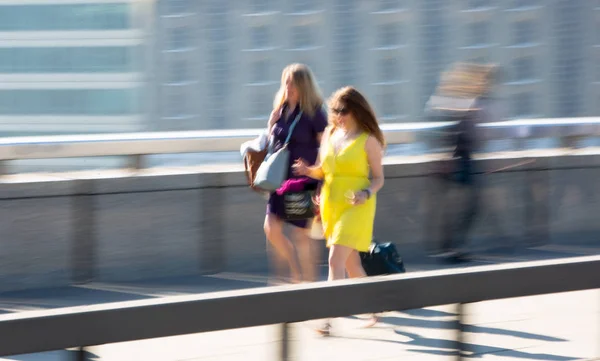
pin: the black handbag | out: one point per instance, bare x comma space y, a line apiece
298, 205
382, 259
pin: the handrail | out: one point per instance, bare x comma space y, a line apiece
139, 144
39, 331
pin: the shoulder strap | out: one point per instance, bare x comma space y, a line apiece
289, 136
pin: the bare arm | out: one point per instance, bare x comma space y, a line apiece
315, 171
375, 158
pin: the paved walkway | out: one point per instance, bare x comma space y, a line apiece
555, 327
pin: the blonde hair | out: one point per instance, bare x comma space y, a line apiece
310, 97
467, 80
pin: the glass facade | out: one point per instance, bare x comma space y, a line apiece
107, 59
302, 37
59, 17
68, 101
389, 35
432, 45
524, 32
345, 37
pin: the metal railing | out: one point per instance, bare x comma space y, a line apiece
39, 331
137, 145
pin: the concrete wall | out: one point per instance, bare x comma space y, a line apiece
56, 232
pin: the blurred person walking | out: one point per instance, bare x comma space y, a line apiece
350, 165
464, 97
297, 110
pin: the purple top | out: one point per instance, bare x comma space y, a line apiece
303, 143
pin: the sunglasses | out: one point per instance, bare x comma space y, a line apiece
340, 111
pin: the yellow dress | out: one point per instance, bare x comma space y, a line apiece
348, 170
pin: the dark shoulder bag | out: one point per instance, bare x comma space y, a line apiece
300, 205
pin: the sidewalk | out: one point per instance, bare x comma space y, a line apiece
552, 328
557, 327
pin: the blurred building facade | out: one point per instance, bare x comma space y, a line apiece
73, 66
221, 60
129, 65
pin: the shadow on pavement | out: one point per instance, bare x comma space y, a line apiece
424, 312
440, 347
472, 350
62, 355
452, 325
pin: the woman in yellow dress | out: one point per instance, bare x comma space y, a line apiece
350, 165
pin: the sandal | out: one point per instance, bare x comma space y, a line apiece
325, 329
372, 322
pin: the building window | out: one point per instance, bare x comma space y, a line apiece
260, 71
68, 102
478, 60
179, 72
524, 3
389, 104
179, 38
177, 106
389, 35
260, 6
524, 32
109, 59
175, 7
523, 105
479, 33
344, 5
262, 105
260, 37
524, 69
476, 4
388, 5
389, 70
218, 33
301, 37
110, 16
303, 5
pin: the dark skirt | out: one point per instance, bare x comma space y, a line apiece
275, 206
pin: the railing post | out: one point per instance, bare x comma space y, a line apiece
284, 350
136, 161
80, 354
4, 167
460, 329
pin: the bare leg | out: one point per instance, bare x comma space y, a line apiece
306, 254
279, 267
354, 265
338, 255
274, 231
355, 270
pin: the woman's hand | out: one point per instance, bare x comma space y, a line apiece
358, 198
300, 167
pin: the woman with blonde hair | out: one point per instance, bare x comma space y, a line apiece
297, 109
350, 165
